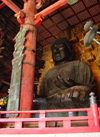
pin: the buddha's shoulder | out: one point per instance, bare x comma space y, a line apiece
75, 63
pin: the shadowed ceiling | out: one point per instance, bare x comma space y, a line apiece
53, 24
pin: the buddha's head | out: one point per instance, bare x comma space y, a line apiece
62, 51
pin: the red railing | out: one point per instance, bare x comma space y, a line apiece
68, 124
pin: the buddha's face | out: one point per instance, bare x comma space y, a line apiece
58, 53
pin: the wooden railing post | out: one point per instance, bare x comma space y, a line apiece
42, 123
94, 109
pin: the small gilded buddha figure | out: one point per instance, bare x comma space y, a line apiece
69, 80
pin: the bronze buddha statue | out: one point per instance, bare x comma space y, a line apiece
69, 80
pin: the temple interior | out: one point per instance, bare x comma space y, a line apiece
66, 22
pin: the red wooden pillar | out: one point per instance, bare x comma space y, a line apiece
26, 98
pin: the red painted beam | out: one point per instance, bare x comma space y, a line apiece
13, 7
39, 16
27, 81
2, 5
52, 8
